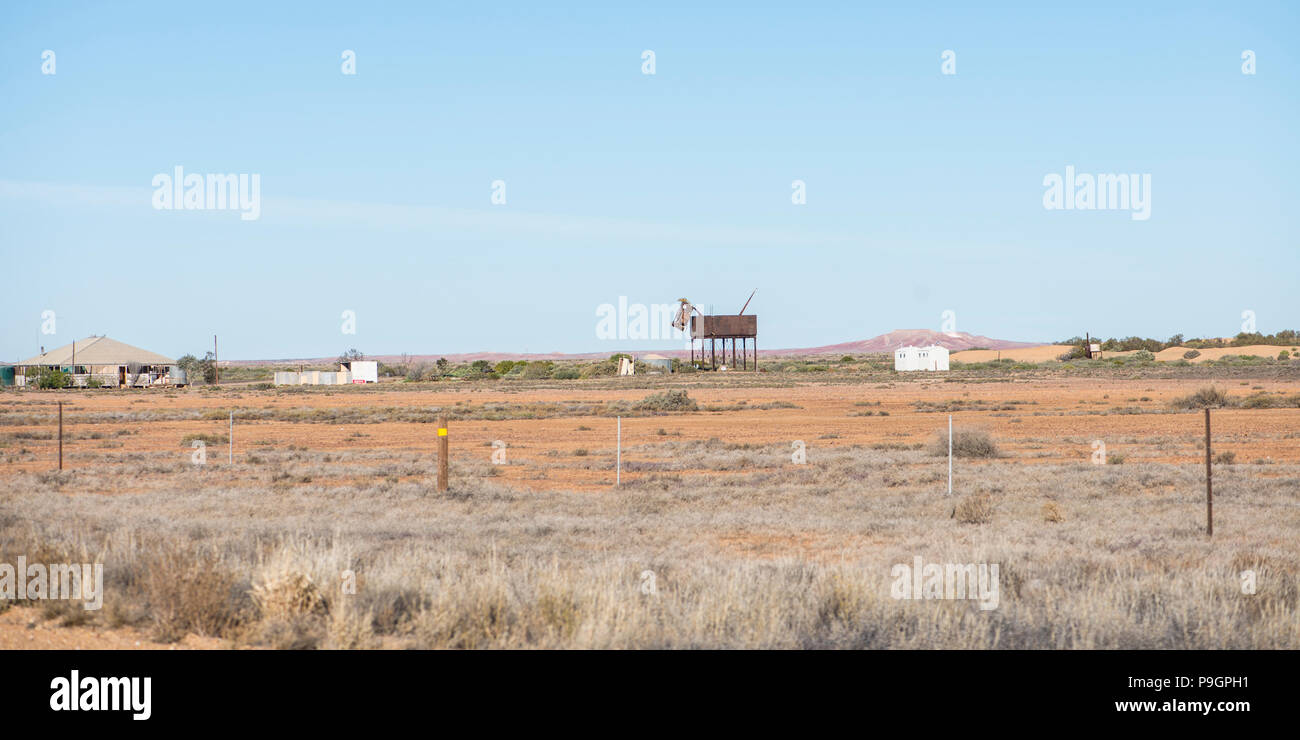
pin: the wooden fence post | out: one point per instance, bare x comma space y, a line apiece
60, 435
442, 453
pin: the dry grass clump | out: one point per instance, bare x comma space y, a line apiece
297, 610
974, 509
1052, 513
966, 443
1208, 397
189, 590
1264, 400
287, 594
351, 629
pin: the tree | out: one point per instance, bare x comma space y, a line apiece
196, 369
442, 365
351, 355
187, 363
205, 368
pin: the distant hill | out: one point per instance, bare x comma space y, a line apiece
954, 342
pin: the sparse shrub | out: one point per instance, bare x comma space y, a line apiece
48, 377
974, 509
207, 439
1260, 401
668, 401
539, 370
1266, 401
965, 443
1143, 355
566, 373
1115, 458
604, 369
1227, 457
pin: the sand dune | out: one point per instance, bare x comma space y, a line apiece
1257, 350
1041, 353
1046, 352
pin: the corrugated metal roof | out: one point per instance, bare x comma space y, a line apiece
98, 351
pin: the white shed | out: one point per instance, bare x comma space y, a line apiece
363, 371
933, 357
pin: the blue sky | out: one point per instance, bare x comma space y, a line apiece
924, 190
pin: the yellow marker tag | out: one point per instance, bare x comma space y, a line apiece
442, 432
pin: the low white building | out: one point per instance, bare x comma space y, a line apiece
933, 357
362, 371
356, 371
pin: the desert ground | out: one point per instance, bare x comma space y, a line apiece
327, 529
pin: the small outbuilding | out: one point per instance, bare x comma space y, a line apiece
362, 371
658, 363
932, 358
